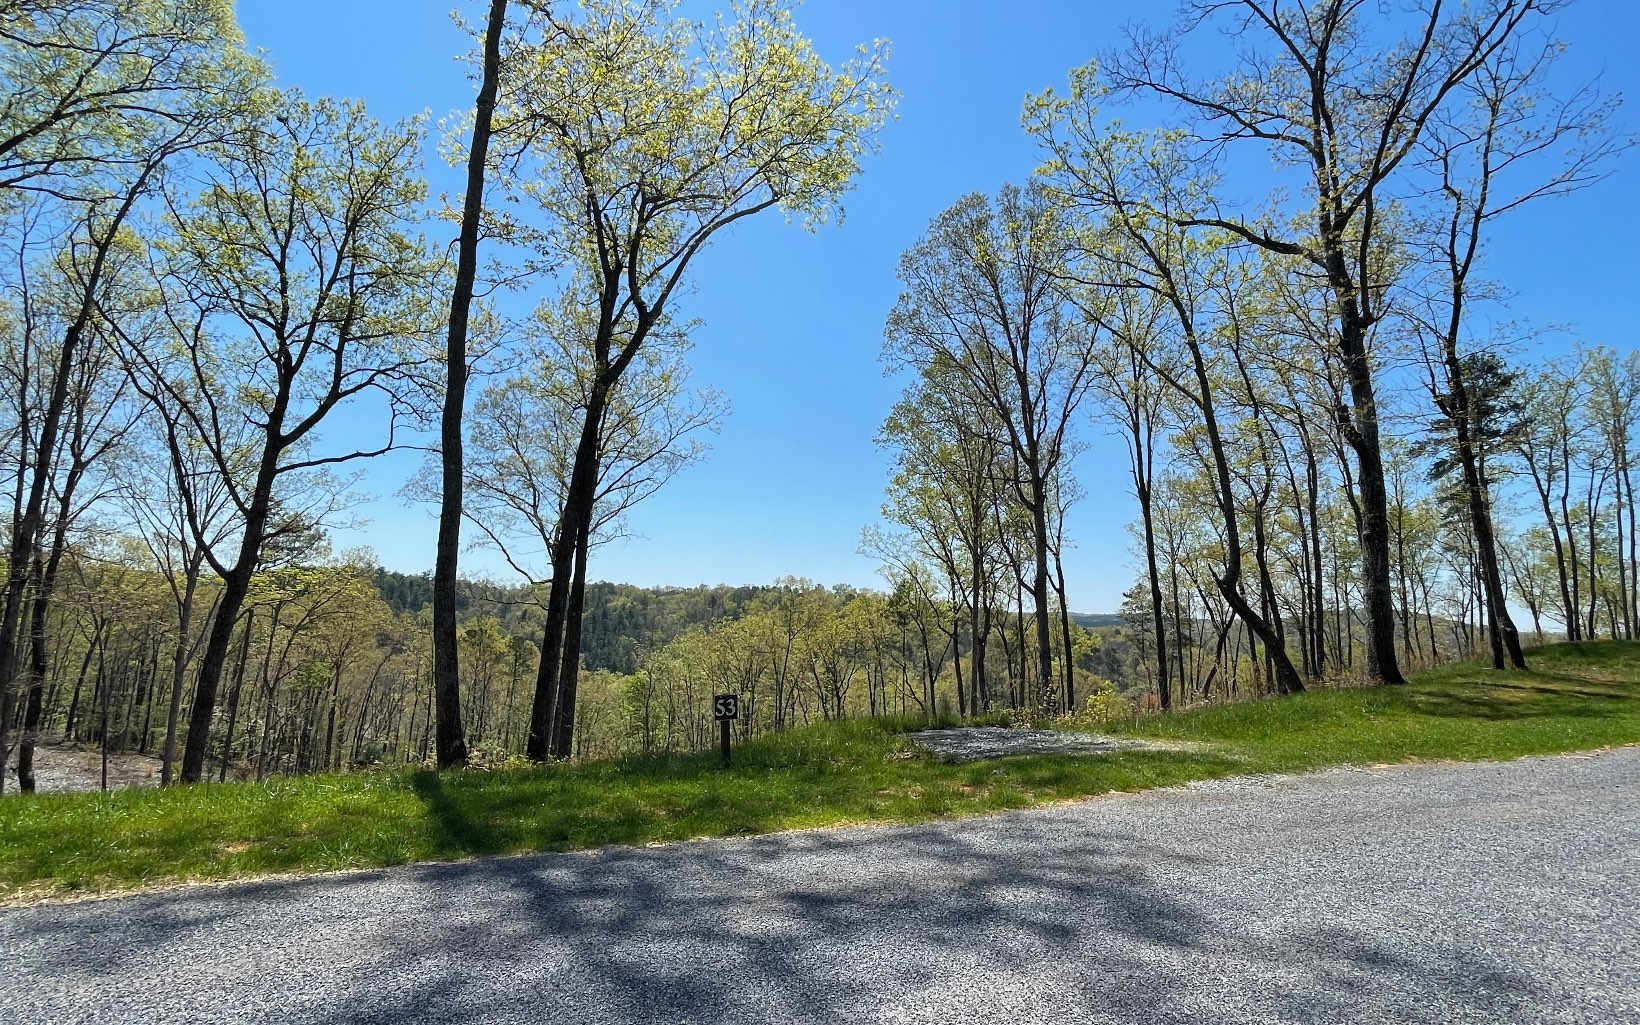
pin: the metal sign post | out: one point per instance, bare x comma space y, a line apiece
725, 709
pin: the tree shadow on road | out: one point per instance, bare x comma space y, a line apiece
1050, 915
911, 923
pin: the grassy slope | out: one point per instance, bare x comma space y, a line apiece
1576, 697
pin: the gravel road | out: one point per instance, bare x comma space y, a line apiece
1494, 893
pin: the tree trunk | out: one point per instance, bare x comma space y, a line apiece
234, 589
36, 689
330, 717
1592, 508
1318, 587
575, 518
977, 639
233, 696
1362, 435
92, 645
1065, 628
1501, 631
1164, 691
1047, 685
1541, 484
1634, 564
179, 668
25, 535
570, 671
1617, 536
102, 739
452, 744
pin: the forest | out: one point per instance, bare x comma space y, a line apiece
221, 299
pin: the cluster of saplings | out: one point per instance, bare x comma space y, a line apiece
221, 299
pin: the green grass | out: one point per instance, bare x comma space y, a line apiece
1576, 697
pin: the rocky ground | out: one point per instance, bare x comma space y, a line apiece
971, 743
62, 768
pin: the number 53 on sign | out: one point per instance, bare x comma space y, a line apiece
725, 707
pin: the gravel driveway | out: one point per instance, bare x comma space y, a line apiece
1437, 893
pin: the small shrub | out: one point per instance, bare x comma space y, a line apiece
1104, 708
488, 758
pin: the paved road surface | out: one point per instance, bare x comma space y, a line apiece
1463, 893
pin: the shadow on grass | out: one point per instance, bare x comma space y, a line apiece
454, 830
1492, 708
554, 810
1587, 652
1539, 695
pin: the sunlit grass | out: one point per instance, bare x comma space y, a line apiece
1576, 697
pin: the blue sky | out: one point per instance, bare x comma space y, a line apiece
793, 320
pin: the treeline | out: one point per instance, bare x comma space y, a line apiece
1338, 469
327, 675
1569, 437
622, 621
324, 675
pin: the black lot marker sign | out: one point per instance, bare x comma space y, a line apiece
725, 709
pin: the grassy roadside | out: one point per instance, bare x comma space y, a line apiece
1576, 697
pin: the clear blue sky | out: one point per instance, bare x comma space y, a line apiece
793, 321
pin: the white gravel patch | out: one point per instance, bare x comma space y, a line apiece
972, 743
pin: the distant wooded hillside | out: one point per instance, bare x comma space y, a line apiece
1094, 620
622, 621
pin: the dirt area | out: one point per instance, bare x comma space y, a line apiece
971, 743
64, 768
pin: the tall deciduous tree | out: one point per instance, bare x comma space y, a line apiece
647, 136
985, 296
451, 743
157, 507
1139, 191
1506, 144
947, 479
95, 418
291, 289
101, 96
1133, 399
